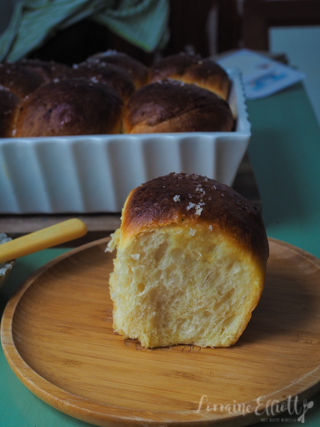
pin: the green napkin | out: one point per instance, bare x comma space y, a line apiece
141, 22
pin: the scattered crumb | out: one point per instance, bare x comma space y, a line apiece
190, 206
198, 207
192, 231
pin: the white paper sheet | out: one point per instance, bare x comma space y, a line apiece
261, 75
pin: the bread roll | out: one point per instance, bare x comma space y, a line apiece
190, 263
172, 106
70, 107
138, 71
18, 79
111, 75
131, 104
193, 69
48, 70
9, 108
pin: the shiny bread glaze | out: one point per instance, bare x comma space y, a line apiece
138, 71
109, 74
19, 79
191, 68
70, 107
186, 199
172, 106
48, 70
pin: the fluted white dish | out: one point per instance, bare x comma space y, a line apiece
95, 173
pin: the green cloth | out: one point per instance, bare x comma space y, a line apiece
141, 22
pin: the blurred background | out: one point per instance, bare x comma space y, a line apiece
208, 27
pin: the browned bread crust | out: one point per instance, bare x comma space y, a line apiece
109, 74
171, 106
168, 105
138, 71
165, 200
48, 70
9, 108
188, 68
18, 79
70, 107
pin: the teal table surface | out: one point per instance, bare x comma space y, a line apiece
285, 155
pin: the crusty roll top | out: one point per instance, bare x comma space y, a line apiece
138, 71
109, 74
203, 72
172, 106
19, 79
70, 107
48, 70
188, 199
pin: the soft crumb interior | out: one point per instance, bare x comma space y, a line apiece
170, 287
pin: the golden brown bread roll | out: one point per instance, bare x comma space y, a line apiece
9, 108
18, 79
163, 106
172, 106
70, 107
190, 263
48, 70
111, 75
189, 68
138, 71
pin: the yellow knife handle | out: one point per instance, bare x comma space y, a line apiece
42, 239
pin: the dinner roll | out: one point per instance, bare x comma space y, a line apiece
70, 107
48, 70
18, 79
172, 106
190, 263
9, 108
111, 75
190, 68
138, 71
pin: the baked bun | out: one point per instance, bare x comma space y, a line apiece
18, 79
137, 70
172, 106
190, 263
193, 69
9, 108
48, 70
111, 75
70, 107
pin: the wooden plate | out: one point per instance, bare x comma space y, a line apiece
57, 336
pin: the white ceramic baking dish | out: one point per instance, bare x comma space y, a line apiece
95, 173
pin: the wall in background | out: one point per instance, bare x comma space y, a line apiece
302, 48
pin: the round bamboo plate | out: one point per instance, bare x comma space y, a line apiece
57, 336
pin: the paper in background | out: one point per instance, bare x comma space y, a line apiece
261, 75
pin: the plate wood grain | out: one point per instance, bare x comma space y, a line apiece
57, 337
